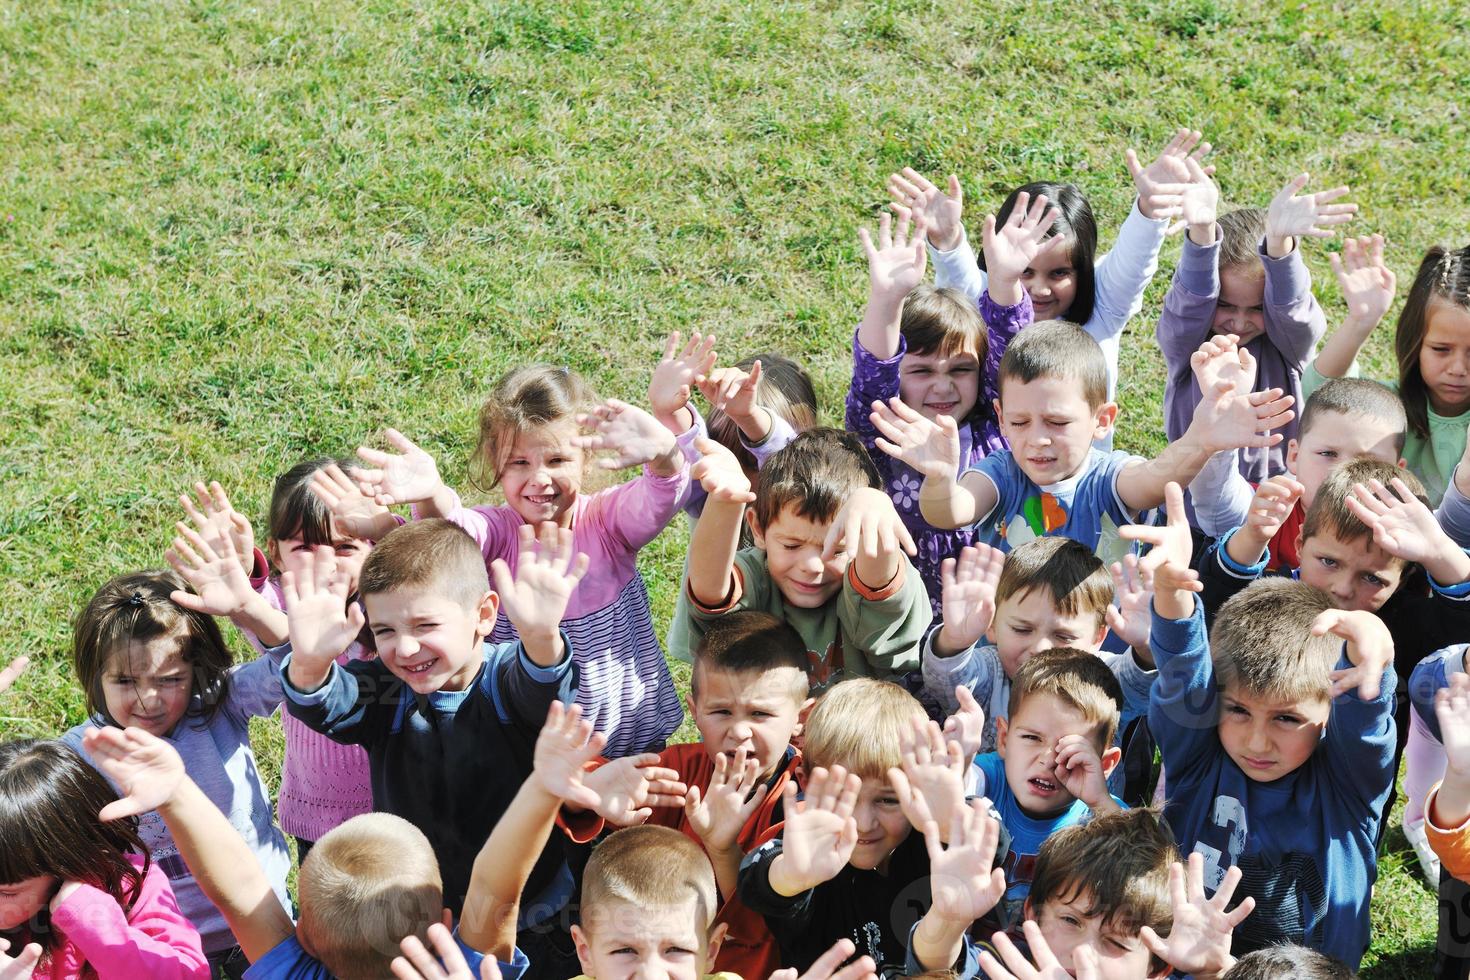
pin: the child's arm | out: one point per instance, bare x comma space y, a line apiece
1367, 285
1128, 616
819, 833
675, 377
1194, 292
354, 511
967, 598
716, 538
964, 885
1360, 739
151, 775
895, 267
1294, 321
409, 476
1406, 529
320, 622
12, 672
720, 813
208, 561
1014, 247
535, 598
1269, 509
947, 499
1199, 940
1453, 512
868, 530
1447, 810
150, 939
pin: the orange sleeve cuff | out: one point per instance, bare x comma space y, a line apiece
883, 592
726, 604
582, 826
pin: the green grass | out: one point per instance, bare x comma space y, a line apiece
233, 234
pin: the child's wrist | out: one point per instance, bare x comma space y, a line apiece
784, 881
951, 642
1279, 246
755, 426
1202, 235
949, 242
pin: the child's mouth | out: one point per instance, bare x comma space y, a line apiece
541, 499
1042, 787
942, 407
421, 668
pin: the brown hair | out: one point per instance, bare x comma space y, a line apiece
1118, 863
1056, 349
648, 867
784, 390
942, 321
1241, 232
49, 801
1357, 396
858, 725
748, 641
1288, 963
137, 607
1262, 641
1443, 274
815, 473
365, 886
1075, 577
298, 512
429, 555
524, 399
1329, 511
1076, 678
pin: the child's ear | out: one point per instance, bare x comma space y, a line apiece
1403, 464
1028, 911
1104, 419
689, 702
273, 550
801, 716
486, 611
999, 415
584, 949
756, 534
1300, 538
1292, 448
1110, 759
1000, 736
1102, 631
716, 940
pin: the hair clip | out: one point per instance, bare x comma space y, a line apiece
136, 599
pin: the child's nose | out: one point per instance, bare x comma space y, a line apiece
1259, 740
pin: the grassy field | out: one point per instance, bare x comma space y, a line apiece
234, 234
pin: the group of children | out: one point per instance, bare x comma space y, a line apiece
966, 614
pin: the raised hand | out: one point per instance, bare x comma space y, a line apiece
446, 962
1084, 959
1402, 525
1199, 205
146, 769
1168, 560
563, 749
676, 374
405, 477
930, 446
867, 526
1366, 281
719, 472
219, 579
319, 620
732, 390
829, 966
22, 965
1269, 509
896, 265
1079, 768
940, 210
215, 516
1221, 361
535, 598
931, 778
629, 788
1293, 215
354, 509
820, 832
967, 596
1162, 183
1199, 940
967, 725
734, 794
964, 882
1452, 708
12, 672
1369, 650
1133, 596
1010, 249
1228, 419
630, 434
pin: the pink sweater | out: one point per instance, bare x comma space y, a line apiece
323, 783
102, 942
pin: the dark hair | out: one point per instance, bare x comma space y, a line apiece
815, 473
1357, 396
295, 510
49, 801
1072, 573
137, 607
1078, 679
749, 641
1288, 963
942, 321
1077, 223
1443, 274
784, 389
1241, 232
1056, 349
1118, 863
524, 399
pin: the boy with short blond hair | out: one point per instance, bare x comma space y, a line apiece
828, 557
1278, 743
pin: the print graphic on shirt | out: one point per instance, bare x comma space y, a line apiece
906, 490
1040, 515
824, 669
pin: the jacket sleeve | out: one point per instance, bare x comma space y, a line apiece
1295, 323
1360, 741
1002, 323
787, 916
1222, 577
974, 668
1184, 706
873, 380
157, 941
352, 707
635, 512
522, 690
958, 268
1454, 513
886, 624
1220, 495
1125, 272
1189, 305
1451, 844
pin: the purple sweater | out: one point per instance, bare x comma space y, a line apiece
1294, 325
875, 380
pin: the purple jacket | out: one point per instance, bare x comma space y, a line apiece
875, 380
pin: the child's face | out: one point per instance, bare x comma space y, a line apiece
1268, 739
1027, 623
1027, 741
287, 554
1241, 309
1357, 574
542, 473
149, 685
1051, 283
935, 385
628, 942
1050, 426
793, 547
22, 901
1335, 438
881, 825
754, 710
1444, 357
428, 641
1066, 926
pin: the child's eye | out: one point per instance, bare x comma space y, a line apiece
1061, 273
1289, 719
887, 801
1059, 423
1066, 639
963, 369
1328, 454
1374, 581
1328, 562
921, 370
1071, 920
1021, 630
1236, 709
1031, 737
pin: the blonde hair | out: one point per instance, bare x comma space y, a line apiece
1241, 232
648, 867
1329, 511
431, 555
525, 399
858, 724
1056, 349
1072, 574
1076, 678
364, 887
942, 321
1262, 642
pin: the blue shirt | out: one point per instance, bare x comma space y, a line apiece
288, 961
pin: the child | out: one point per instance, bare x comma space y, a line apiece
81, 898
529, 447
1342, 420
845, 862
817, 505
747, 695
1264, 770
931, 350
1243, 276
368, 883
145, 660
1053, 480
1447, 804
1432, 344
1101, 295
1054, 753
448, 720
1051, 592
